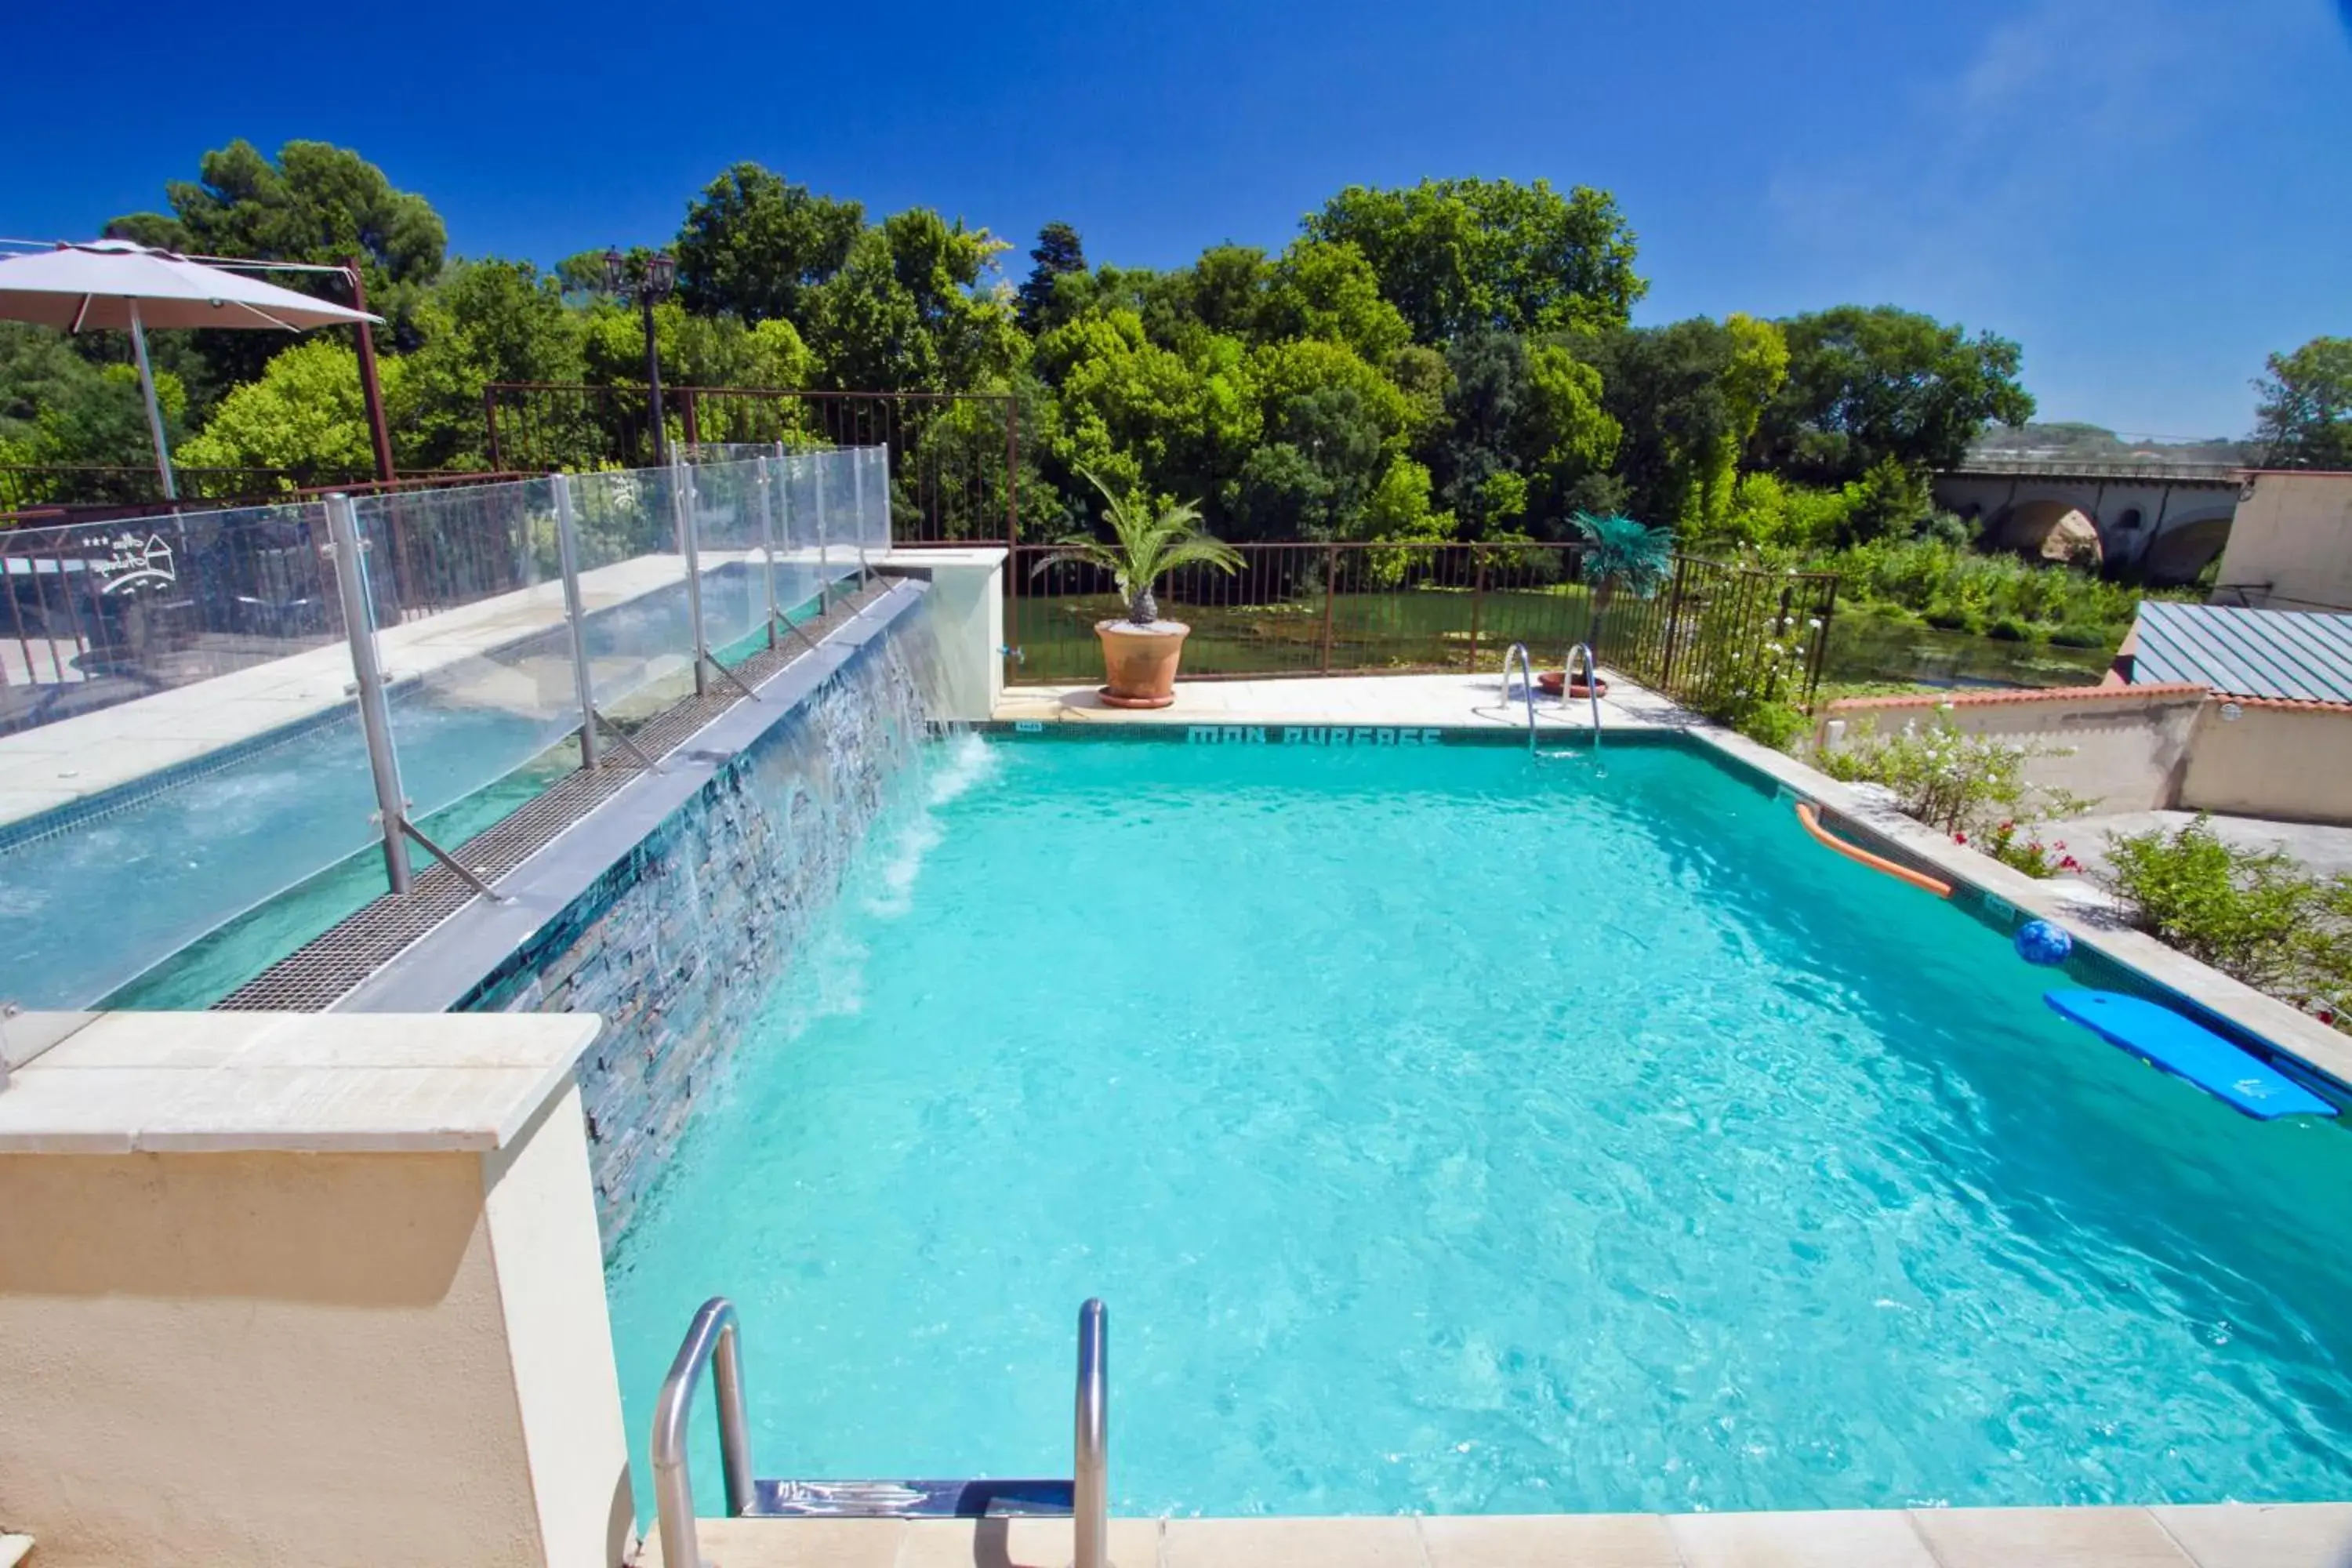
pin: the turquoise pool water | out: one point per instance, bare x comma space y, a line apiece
1449, 1132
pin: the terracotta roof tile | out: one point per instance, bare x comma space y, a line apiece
2044, 694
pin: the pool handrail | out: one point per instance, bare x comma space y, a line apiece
1519, 650
1810, 815
714, 1339
1592, 686
1090, 1470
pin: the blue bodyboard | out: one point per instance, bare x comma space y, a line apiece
2156, 1035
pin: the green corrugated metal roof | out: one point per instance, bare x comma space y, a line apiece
2299, 654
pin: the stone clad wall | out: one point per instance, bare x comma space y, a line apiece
679, 942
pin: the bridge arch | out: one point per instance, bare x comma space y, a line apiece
2053, 528
2185, 549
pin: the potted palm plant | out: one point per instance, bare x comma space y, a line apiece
1622, 554
1140, 649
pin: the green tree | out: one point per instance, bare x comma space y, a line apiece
1315, 474
1324, 290
319, 203
1057, 255
1865, 384
908, 310
304, 415
58, 406
1671, 389
484, 321
1145, 416
2304, 418
1455, 256
756, 247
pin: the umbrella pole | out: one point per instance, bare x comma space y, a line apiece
154, 412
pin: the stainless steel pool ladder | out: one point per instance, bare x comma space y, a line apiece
1591, 687
715, 1339
1519, 650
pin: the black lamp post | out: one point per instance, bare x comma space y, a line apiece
659, 277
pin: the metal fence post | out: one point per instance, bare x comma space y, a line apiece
823, 550
768, 541
1331, 592
1477, 603
1673, 629
681, 507
857, 507
375, 715
567, 552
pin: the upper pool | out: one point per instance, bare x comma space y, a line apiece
1450, 1132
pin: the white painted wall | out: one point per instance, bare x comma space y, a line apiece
967, 609
214, 1350
2125, 748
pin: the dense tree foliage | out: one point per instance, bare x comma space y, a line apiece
2304, 419
1058, 253
1866, 385
1454, 359
1459, 255
318, 204
755, 247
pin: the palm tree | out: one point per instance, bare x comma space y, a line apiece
1623, 552
1144, 547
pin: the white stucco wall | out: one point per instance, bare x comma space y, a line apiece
2292, 761
2126, 747
223, 1339
967, 611
2291, 547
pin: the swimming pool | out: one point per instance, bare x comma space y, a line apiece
173, 898
1453, 1133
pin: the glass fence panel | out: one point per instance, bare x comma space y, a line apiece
800, 550
733, 522
870, 484
480, 689
632, 589
176, 744
99, 613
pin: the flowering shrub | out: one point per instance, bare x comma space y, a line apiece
1963, 784
1757, 696
2023, 850
2255, 914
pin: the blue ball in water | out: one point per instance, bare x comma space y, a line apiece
2038, 942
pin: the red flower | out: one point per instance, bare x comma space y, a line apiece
1960, 838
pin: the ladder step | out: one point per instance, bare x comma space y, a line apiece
909, 1500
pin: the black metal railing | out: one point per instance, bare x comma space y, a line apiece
955, 457
1711, 634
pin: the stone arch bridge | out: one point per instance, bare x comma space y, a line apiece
2162, 522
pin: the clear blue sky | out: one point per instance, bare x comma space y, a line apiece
2151, 195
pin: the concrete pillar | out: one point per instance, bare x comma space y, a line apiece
967, 611
303, 1289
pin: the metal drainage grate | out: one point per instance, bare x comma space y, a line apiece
330, 966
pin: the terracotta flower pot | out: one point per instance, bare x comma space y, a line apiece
1552, 679
1139, 662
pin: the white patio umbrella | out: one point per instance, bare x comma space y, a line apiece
113, 284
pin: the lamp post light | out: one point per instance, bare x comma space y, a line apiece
651, 289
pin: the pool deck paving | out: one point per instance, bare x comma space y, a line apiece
1460, 701
2319, 848
2220, 1535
